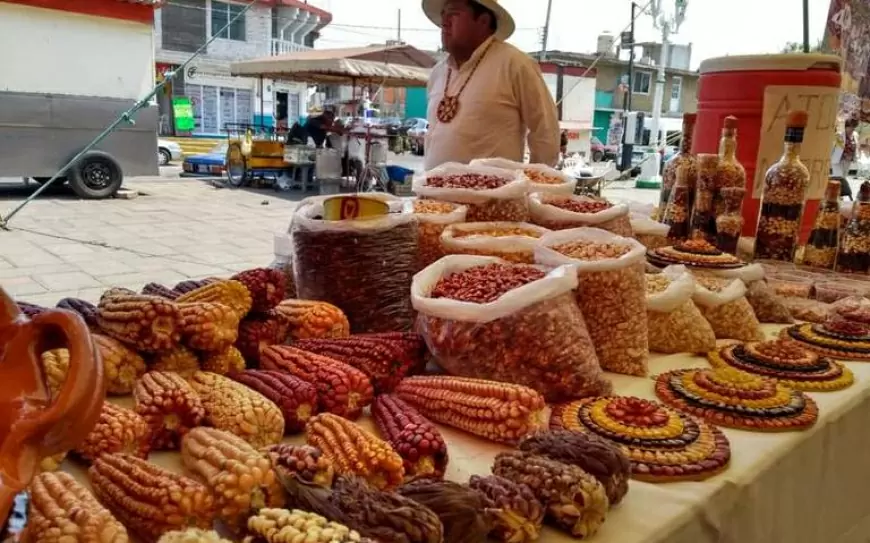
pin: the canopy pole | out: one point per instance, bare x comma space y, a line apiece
806, 26
262, 95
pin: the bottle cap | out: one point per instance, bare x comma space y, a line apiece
832, 191
730, 122
864, 192
796, 119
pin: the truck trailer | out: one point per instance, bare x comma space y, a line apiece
69, 69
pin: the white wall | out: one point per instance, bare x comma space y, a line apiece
52, 51
258, 36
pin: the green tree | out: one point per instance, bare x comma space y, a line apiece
798, 47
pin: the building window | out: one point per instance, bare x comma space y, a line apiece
641, 82
221, 14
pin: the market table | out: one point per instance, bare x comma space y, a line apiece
790, 487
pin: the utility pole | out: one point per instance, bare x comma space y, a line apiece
546, 34
627, 42
399, 36
806, 26
667, 26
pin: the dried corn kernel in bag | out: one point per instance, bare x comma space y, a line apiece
767, 304
486, 318
542, 178
611, 292
433, 217
723, 303
807, 310
512, 241
675, 322
651, 234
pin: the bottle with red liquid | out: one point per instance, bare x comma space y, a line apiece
782, 203
683, 159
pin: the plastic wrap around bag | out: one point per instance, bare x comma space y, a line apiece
652, 234
723, 303
505, 203
283, 262
471, 238
611, 294
533, 335
566, 185
767, 304
431, 226
675, 322
613, 219
803, 309
364, 267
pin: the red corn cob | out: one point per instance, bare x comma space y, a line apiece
296, 398
416, 439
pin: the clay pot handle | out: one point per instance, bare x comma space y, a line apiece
74, 413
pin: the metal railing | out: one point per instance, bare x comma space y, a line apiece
282, 47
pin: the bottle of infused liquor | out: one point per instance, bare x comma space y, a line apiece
730, 173
683, 158
782, 203
729, 223
854, 253
821, 249
677, 213
703, 216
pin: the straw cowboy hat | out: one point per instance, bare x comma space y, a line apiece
505, 25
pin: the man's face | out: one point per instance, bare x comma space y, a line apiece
458, 25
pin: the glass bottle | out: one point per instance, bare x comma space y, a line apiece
703, 216
854, 253
683, 158
729, 223
676, 212
821, 249
782, 203
730, 173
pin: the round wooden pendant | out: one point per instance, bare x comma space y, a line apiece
448, 107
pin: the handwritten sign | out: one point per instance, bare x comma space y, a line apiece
821, 104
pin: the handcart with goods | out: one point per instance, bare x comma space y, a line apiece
354, 67
257, 153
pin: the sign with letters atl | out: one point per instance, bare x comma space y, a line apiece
821, 104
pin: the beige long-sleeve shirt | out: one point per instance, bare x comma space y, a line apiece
505, 100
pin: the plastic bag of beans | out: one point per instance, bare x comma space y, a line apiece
433, 217
611, 292
564, 212
723, 303
650, 233
512, 241
766, 303
675, 322
807, 310
486, 318
362, 266
491, 194
542, 178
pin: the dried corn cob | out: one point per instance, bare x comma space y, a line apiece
52, 463
156, 289
229, 293
62, 510
303, 462
296, 398
460, 509
500, 412
179, 360
169, 405
574, 500
313, 319
55, 365
123, 364
241, 478
355, 451
386, 361
192, 284
516, 514
283, 526
85, 309
225, 362
416, 439
341, 389
258, 331
239, 410
118, 430
148, 499
192, 535
266, 286
147, 323
208, 326
31, 310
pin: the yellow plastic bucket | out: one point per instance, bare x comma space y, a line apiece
348, 208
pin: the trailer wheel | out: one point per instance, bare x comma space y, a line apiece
236, 165
97, 175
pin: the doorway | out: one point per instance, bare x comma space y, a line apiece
281, 108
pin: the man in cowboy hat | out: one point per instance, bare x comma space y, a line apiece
487, 98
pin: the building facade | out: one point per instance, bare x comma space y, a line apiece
270, 27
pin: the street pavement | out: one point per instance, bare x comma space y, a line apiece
175, 229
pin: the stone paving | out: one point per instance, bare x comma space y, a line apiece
176, 229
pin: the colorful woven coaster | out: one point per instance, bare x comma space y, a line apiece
821, 339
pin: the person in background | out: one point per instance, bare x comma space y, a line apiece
845, 150
563, 149
320, 126
487, 98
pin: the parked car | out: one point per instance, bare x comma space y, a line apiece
168, 151
601, 152
211, 164
417, 129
